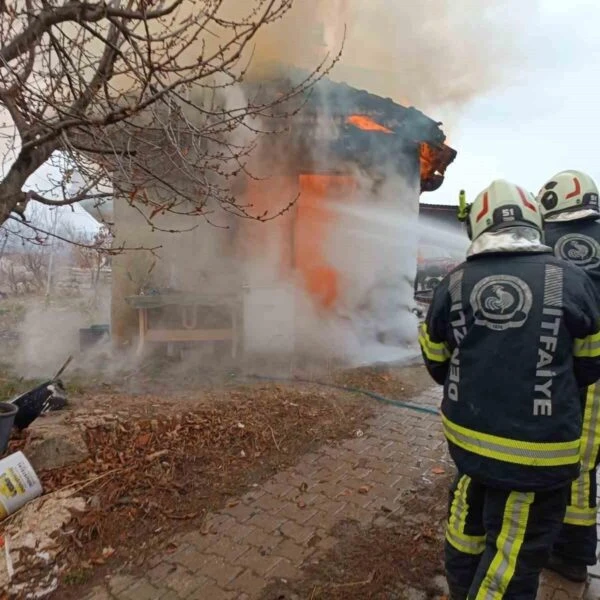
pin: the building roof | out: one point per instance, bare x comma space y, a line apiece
340, 101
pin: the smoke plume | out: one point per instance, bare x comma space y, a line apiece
433, 54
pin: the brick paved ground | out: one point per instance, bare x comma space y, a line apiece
275, 528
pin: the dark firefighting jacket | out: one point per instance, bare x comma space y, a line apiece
513, 338
578, 242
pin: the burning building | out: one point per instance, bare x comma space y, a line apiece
331, 275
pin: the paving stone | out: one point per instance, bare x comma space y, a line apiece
219, 570
327, 507
284, 569
249, 583
213, 592
268, 503
277, 489
327, 488
595, 570
202, 540
219, 523
228, 549
241, 512
295, 513
240, 533
98, 593
143, 590
120, 583
161, 572
266, 522
264, 541
305, 470
258, 563
355, 513
380, 477
593, 590
294, 552
189, 558
553, 587
361, 500
250, 497
182, 583
326, 542
298, 533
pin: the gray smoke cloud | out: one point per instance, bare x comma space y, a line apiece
434, 54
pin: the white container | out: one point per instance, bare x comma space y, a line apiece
19, 484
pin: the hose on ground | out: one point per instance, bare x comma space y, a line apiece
397, 403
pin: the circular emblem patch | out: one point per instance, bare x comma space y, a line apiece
501, 302
581, 250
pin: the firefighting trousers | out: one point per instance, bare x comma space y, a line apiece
498, 541
577, 540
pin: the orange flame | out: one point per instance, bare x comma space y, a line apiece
428, 161
366, 124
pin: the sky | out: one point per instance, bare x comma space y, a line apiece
546, 120
543, 119
73, 216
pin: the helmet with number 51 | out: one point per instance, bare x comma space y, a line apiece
502, 204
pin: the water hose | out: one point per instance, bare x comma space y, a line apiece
397, 403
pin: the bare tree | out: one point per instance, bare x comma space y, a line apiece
131, 95
35, 261
25, 268
91, 253
16, 277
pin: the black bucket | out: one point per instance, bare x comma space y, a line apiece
8, 412
92, 335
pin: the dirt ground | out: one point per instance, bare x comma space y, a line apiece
159, 462
399, 556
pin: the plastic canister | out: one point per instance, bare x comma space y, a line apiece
19, 484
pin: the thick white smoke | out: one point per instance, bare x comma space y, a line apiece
430, 53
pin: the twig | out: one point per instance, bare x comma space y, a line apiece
94, 479
368, 580
9, 563
186, 517
156, 455
62, 369
274, 440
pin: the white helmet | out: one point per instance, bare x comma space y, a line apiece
569, 191
500, 205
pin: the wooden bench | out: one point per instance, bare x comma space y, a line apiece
189, 305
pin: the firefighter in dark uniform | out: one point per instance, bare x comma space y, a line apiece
569, 205
511, 334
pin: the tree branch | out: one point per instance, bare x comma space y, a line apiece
72, 11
